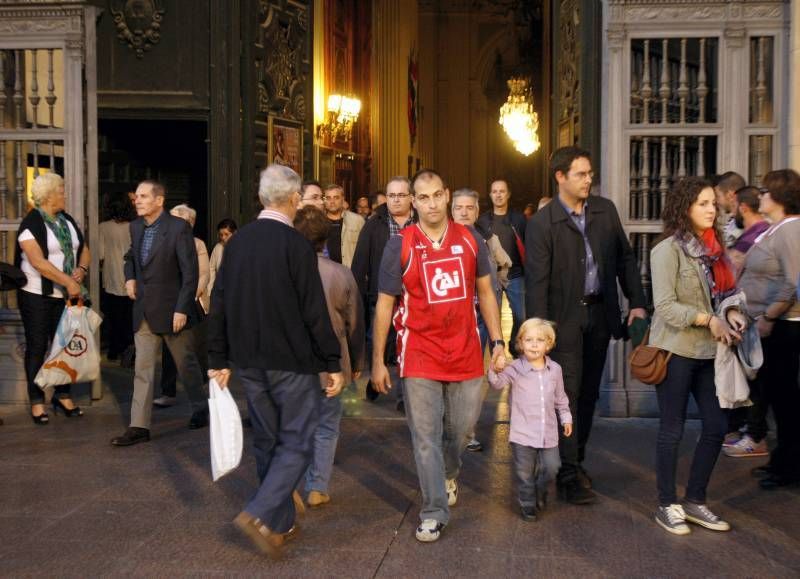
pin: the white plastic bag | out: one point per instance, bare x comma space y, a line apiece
225, 430
74, 356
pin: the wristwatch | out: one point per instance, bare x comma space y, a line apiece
494, 343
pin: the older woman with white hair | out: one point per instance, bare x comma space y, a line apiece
169, 372
50, 249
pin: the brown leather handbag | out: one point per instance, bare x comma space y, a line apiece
648, 363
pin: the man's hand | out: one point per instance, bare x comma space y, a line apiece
178, 322
356, 374
221, 376
130, 288
640, 313
380, 377
568, 429
498, 359
335, 384
73, 289
736, 319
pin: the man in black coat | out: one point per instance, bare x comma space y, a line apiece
161, 278
269, 320
576, 250
387, 220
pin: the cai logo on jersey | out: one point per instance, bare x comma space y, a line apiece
444, 280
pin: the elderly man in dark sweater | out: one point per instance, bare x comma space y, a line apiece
269, 320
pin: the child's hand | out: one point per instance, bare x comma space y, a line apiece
568, 429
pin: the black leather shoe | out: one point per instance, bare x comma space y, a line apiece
776, 481
584, 478
574, 493
528, 513
133, 435
198, 420
761, 471
371, 393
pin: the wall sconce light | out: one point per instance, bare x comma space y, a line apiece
341, 115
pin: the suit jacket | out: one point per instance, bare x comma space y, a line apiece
351, 227
555, 268
167, 282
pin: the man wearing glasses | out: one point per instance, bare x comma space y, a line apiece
576, 250
389, 219
311, 194
435, 267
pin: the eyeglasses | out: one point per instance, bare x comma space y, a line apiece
762, 191
581, 176
396, 196
427, 199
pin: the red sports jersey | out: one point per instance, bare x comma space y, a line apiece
437, 330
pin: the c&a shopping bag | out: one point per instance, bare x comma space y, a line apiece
225, 430
74, 356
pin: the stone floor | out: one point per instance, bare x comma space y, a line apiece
73, 506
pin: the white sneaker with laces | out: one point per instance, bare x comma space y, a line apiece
702, 515
673, 519
746, 447
452, 491
429, 530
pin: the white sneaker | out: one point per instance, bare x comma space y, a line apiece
452, 491
429, 530
165, 401
673, 519
703, 516
746, 447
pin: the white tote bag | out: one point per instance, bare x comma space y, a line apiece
74, 356
225, 430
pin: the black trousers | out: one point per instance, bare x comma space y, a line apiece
40, 316
753, 419
119, 320
696, 377
781, 365
581, 349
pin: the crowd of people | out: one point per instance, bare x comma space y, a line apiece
416, 281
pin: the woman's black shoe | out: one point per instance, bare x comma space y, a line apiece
775, 481
41, 420
68, 412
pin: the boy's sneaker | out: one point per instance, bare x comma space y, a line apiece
702, 515
673, 519
429, 530
452, 491
732, 438
746, 447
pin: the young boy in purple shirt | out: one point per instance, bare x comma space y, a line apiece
537, 392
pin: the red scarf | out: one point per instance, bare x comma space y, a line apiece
724, 280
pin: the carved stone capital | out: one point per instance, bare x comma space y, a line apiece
616, 37
138, 23
735, 35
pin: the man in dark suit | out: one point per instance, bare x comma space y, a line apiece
161, 277
269, 320
576, 250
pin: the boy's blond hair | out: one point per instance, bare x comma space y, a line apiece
546, 327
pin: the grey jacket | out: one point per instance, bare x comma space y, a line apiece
680, 293
733, 365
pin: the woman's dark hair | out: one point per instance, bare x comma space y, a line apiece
784, 189
312, 224
228, 224
675, 213
120, 207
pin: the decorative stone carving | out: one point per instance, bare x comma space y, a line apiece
569, 63
673, 13
138, 23
9, 26
282, 74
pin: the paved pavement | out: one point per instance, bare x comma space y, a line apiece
73, 506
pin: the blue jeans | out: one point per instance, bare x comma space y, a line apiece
685, 376
440, 416
515, 292
326, 436
533, 469
284, 410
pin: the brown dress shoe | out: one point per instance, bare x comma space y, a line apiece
317, 499
268, 541
299, 505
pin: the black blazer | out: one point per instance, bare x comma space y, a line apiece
167, 282
268, 308
555, 270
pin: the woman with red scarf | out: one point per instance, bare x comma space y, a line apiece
691, 277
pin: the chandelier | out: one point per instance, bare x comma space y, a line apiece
518, 119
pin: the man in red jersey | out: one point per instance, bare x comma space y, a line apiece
435, 267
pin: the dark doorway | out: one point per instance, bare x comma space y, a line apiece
173, 152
